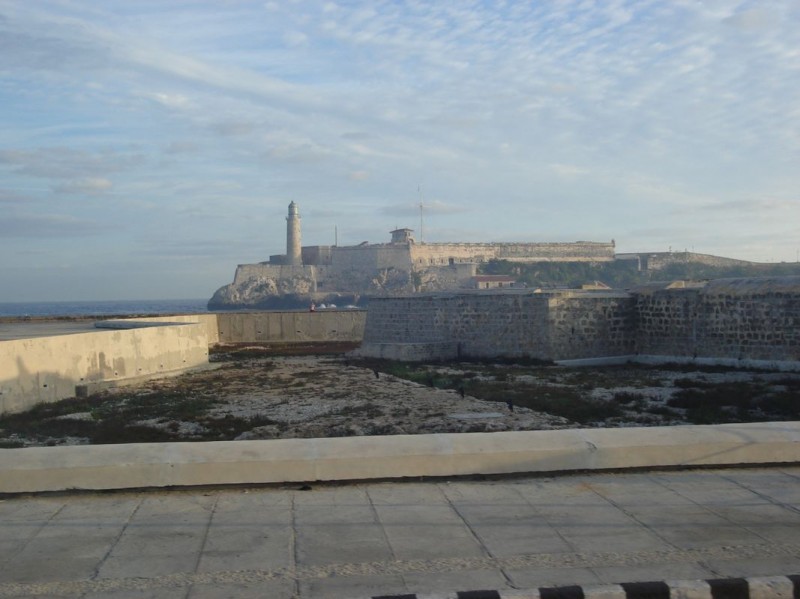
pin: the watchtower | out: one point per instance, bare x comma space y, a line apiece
294, 254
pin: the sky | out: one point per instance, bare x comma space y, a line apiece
148, 147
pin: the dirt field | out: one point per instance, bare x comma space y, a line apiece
264, 393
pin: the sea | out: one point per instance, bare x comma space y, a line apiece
104, 308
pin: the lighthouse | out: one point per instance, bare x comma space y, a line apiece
294, 255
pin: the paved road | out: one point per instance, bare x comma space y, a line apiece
361, 540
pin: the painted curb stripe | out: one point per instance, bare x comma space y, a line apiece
646, 590
795, 578
729, 588
571, 592
722, 588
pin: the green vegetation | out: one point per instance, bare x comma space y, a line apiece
568, 392
622, 274
712, 403
130, 418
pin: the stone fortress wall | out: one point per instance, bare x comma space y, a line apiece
401, 266
578, 251
659, 260
734, 319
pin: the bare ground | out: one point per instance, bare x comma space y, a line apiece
262, 393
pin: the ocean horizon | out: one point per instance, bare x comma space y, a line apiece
102, 308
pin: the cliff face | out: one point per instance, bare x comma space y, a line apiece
269, 287
261, 290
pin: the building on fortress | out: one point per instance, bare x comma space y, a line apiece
401, 266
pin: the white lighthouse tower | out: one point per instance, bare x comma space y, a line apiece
294, 254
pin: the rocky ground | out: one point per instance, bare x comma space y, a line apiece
263, 393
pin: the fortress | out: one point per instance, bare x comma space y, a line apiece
402, 266
739, 322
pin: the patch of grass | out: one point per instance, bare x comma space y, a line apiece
366, 410
724, 402
566, 402
631, 400
229, 427
5, 444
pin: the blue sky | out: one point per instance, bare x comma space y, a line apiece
148, 147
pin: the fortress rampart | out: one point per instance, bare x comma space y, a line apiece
661, 260
734, 319
756, 319
579, 251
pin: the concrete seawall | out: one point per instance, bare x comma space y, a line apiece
39, 469
45, 369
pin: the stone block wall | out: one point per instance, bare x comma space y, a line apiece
490, 326
667, 322
369, 258
591, 326
756, 319
739, 319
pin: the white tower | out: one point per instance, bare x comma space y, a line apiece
294, 254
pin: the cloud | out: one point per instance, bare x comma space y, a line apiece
357, 136
429, 207
67, 163
177, 101
91, 185
47, 226
182, 147
11, 197
233, 128
295, 38
358, 175
20, 50
568, 170
752, 20
771, 205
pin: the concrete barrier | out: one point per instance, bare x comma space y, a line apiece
290, 327
98, 467
46, 369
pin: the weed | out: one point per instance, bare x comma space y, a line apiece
626, 398
367, 410
6, 444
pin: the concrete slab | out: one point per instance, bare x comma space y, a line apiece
364, 540
31, 330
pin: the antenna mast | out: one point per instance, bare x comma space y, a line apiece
421, 222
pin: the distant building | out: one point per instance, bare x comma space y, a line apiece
492, 282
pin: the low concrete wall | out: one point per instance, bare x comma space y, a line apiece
47, 369
356, 458
290, 327
208, 321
